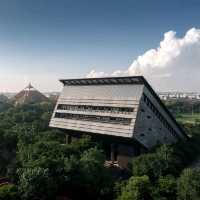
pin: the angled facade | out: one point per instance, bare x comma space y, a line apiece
123, 108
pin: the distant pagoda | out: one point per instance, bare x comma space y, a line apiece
29, 95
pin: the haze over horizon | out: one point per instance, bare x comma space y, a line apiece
44, 41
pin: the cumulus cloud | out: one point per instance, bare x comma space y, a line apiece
173, 65
95, 74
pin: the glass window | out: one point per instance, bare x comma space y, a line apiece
105, 119
86, 108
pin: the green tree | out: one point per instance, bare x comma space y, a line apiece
8, 142
9, 192
166, 188
137, 188
188, 187
86, 173
161, 163
93, 171
35, 184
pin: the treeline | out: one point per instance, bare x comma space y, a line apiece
164, 174
183, 106
38, 163
40, 166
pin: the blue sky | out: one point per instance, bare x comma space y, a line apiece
44, 40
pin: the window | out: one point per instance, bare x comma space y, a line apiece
94, 118
86, 108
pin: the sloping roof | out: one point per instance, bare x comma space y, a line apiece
105, 80
29, 95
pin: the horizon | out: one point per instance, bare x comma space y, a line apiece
44, 41
59, 91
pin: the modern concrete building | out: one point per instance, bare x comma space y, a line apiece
124, 112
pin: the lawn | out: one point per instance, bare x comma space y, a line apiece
188, 118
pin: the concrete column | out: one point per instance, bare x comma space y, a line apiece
112, 153
68, 139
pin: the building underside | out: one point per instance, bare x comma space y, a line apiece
119, 151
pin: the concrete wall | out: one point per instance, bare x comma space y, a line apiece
170, 121
100, 95
149, 130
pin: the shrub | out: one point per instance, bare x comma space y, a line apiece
161, 163
34, 183
137, 188
188, 186
166, 188
8, 192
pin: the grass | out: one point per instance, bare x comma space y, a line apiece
188, 118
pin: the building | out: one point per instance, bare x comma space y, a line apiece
179, 95
29, 95
124, 112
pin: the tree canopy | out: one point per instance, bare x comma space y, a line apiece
41, 166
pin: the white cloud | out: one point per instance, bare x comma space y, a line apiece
173, 65
94, 74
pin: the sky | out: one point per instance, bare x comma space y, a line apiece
42, 41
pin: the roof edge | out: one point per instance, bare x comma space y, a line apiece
104, 80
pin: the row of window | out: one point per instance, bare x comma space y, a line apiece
159, 115
108, 109
93, 118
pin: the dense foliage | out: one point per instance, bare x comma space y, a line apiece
9, 192
189, 185
183, 106
172, 170
40, 166
137, 188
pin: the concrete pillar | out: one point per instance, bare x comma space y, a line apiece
68, 139
112, 153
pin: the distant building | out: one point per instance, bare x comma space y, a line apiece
29, 95
179, 95
124, 112
53, 96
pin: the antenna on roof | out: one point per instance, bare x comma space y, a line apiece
29, 87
